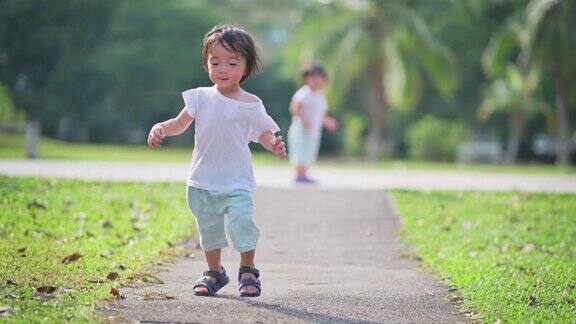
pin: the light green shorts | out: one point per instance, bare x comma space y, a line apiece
211, 206
302, 145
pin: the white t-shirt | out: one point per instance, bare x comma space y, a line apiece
313, 105
221, 159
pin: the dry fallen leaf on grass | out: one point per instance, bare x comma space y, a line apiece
72, 258
116, 293
46, 289
112, 276
36, 204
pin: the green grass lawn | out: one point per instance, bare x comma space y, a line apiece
121, 228
12, 146
512, 256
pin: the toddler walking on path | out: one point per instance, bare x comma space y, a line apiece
308, 109
221, 180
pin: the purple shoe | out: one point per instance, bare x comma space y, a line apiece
303, 179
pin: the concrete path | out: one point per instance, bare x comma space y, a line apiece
281, 176
325, 256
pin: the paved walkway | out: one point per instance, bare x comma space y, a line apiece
325, 256
281, 176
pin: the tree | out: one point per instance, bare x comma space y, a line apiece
149, 54
40, 38
384, 41
514, 93
538, 35
101, 70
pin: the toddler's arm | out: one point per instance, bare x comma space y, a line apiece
273, 144
171, 127
296, 109
330, 123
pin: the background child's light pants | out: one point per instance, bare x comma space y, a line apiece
303, 145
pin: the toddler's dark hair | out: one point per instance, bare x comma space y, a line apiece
314, 69
234, 39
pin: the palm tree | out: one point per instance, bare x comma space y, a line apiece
386, 43
539, 33
514, 93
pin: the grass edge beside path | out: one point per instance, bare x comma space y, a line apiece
66, 243
508, 254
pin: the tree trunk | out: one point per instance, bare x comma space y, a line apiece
561, 55
378, 106
563, 133
32, 139
563, 127
377, 113
517, 123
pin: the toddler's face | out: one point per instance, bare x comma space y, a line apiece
225, 68
316, 82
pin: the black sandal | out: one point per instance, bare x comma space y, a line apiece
212, 287
249, 282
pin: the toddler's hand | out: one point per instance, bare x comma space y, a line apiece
307, 125
156, 136
331, 124
279, 148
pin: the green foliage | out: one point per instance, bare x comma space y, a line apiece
126, 229
7, 111
535, 36
41, 42
104, 71
514, 91
354, 127
348, 46
510, 255
150, 54
435, 139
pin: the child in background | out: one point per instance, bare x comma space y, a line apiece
308, 108
221, 176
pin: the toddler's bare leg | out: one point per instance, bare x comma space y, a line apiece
213, 260
301, 171
247, 259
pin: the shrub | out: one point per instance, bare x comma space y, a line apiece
435, 139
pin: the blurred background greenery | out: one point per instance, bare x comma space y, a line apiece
442, 80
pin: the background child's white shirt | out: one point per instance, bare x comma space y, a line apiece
314, 106
224, 127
